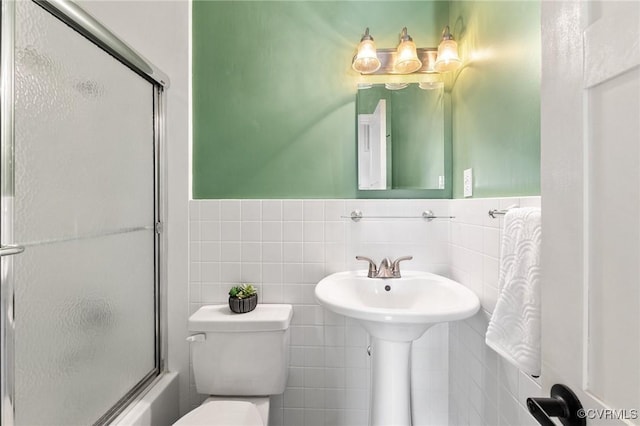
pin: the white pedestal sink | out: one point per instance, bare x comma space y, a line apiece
395, 312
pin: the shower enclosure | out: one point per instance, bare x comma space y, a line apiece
82, 211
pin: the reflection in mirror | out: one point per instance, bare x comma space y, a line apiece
401, 136
372, 148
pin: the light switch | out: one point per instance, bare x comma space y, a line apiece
468, 183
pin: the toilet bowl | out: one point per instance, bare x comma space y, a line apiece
239, 360
216, 411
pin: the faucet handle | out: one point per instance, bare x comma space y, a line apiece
395, 266
372, 266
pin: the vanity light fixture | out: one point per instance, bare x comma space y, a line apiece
448, 59
406, 58
366, 60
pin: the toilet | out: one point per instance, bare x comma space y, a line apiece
239, 360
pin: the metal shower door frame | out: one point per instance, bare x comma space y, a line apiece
79, 20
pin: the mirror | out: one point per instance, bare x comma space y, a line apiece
401, 136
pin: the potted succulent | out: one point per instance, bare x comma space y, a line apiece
243, 298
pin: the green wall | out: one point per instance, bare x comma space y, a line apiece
274, 93
496, 97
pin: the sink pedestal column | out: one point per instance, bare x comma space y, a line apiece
390, 383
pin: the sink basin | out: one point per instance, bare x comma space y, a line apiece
395, 312
398, 309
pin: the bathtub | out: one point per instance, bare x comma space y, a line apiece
158, 406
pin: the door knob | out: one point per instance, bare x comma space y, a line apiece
563, 404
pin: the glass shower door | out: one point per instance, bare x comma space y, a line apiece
85, 311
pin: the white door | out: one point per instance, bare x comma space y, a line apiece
591, 205
372, 148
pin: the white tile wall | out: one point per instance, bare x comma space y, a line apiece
484, 389
285, 247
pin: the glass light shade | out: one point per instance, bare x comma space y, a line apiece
366, 60
448, 59
431, 85
396, 86
407, 58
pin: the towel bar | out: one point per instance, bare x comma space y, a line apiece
494, 212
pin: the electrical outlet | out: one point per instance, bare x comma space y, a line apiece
468, 183
440, 182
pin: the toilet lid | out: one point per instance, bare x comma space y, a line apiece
222, 413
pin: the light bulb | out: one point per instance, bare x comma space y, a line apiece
406, 56
366, 60
448, 59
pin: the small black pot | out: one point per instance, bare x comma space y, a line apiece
242, 306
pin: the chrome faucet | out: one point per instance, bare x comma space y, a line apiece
384, 270
387, 269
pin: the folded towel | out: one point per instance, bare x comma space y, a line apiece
514, 329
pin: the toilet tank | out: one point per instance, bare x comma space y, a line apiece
240, 354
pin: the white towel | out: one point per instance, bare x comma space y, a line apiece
514, 329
